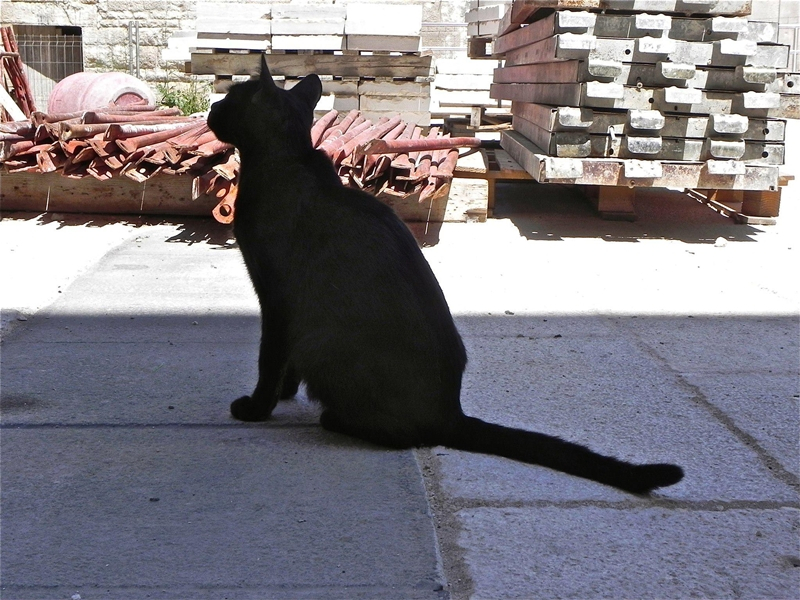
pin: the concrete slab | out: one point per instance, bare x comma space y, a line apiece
591, 385
602, 552
124, 475
210, 512
672, 338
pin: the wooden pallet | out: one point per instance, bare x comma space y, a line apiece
494, 164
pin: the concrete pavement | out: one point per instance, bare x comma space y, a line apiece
672, 338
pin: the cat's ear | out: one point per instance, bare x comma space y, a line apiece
308, 91
267, 82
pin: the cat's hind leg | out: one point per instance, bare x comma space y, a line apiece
290, 383
382, 432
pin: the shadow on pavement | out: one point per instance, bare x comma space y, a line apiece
191, 230
554, 212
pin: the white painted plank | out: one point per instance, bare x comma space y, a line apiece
11, 107
388, 19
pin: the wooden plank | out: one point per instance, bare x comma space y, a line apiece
761, 203
382, 43
495, 163
395, 89
300, 65
161, 195
614, 203
337, 87
11, 107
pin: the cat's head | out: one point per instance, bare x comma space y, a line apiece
258, 117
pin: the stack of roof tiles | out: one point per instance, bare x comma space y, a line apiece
689, 94
140, 142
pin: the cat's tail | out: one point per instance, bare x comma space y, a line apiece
475, 435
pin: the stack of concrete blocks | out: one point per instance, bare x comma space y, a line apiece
247, 27
304, 27
631, 98
385, 33
483, 23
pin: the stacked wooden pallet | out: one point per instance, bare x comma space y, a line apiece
627, 99
367, 55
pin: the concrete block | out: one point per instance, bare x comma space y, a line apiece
383, 19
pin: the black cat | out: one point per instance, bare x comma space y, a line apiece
350, 306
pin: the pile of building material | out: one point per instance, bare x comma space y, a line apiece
14, 80
391, 158
461, 87
483, 25
623, 99
367, 55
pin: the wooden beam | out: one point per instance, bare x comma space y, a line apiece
300, 65
11, 107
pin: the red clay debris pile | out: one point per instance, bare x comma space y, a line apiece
389, 156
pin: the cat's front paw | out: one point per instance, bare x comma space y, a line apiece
247, 409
